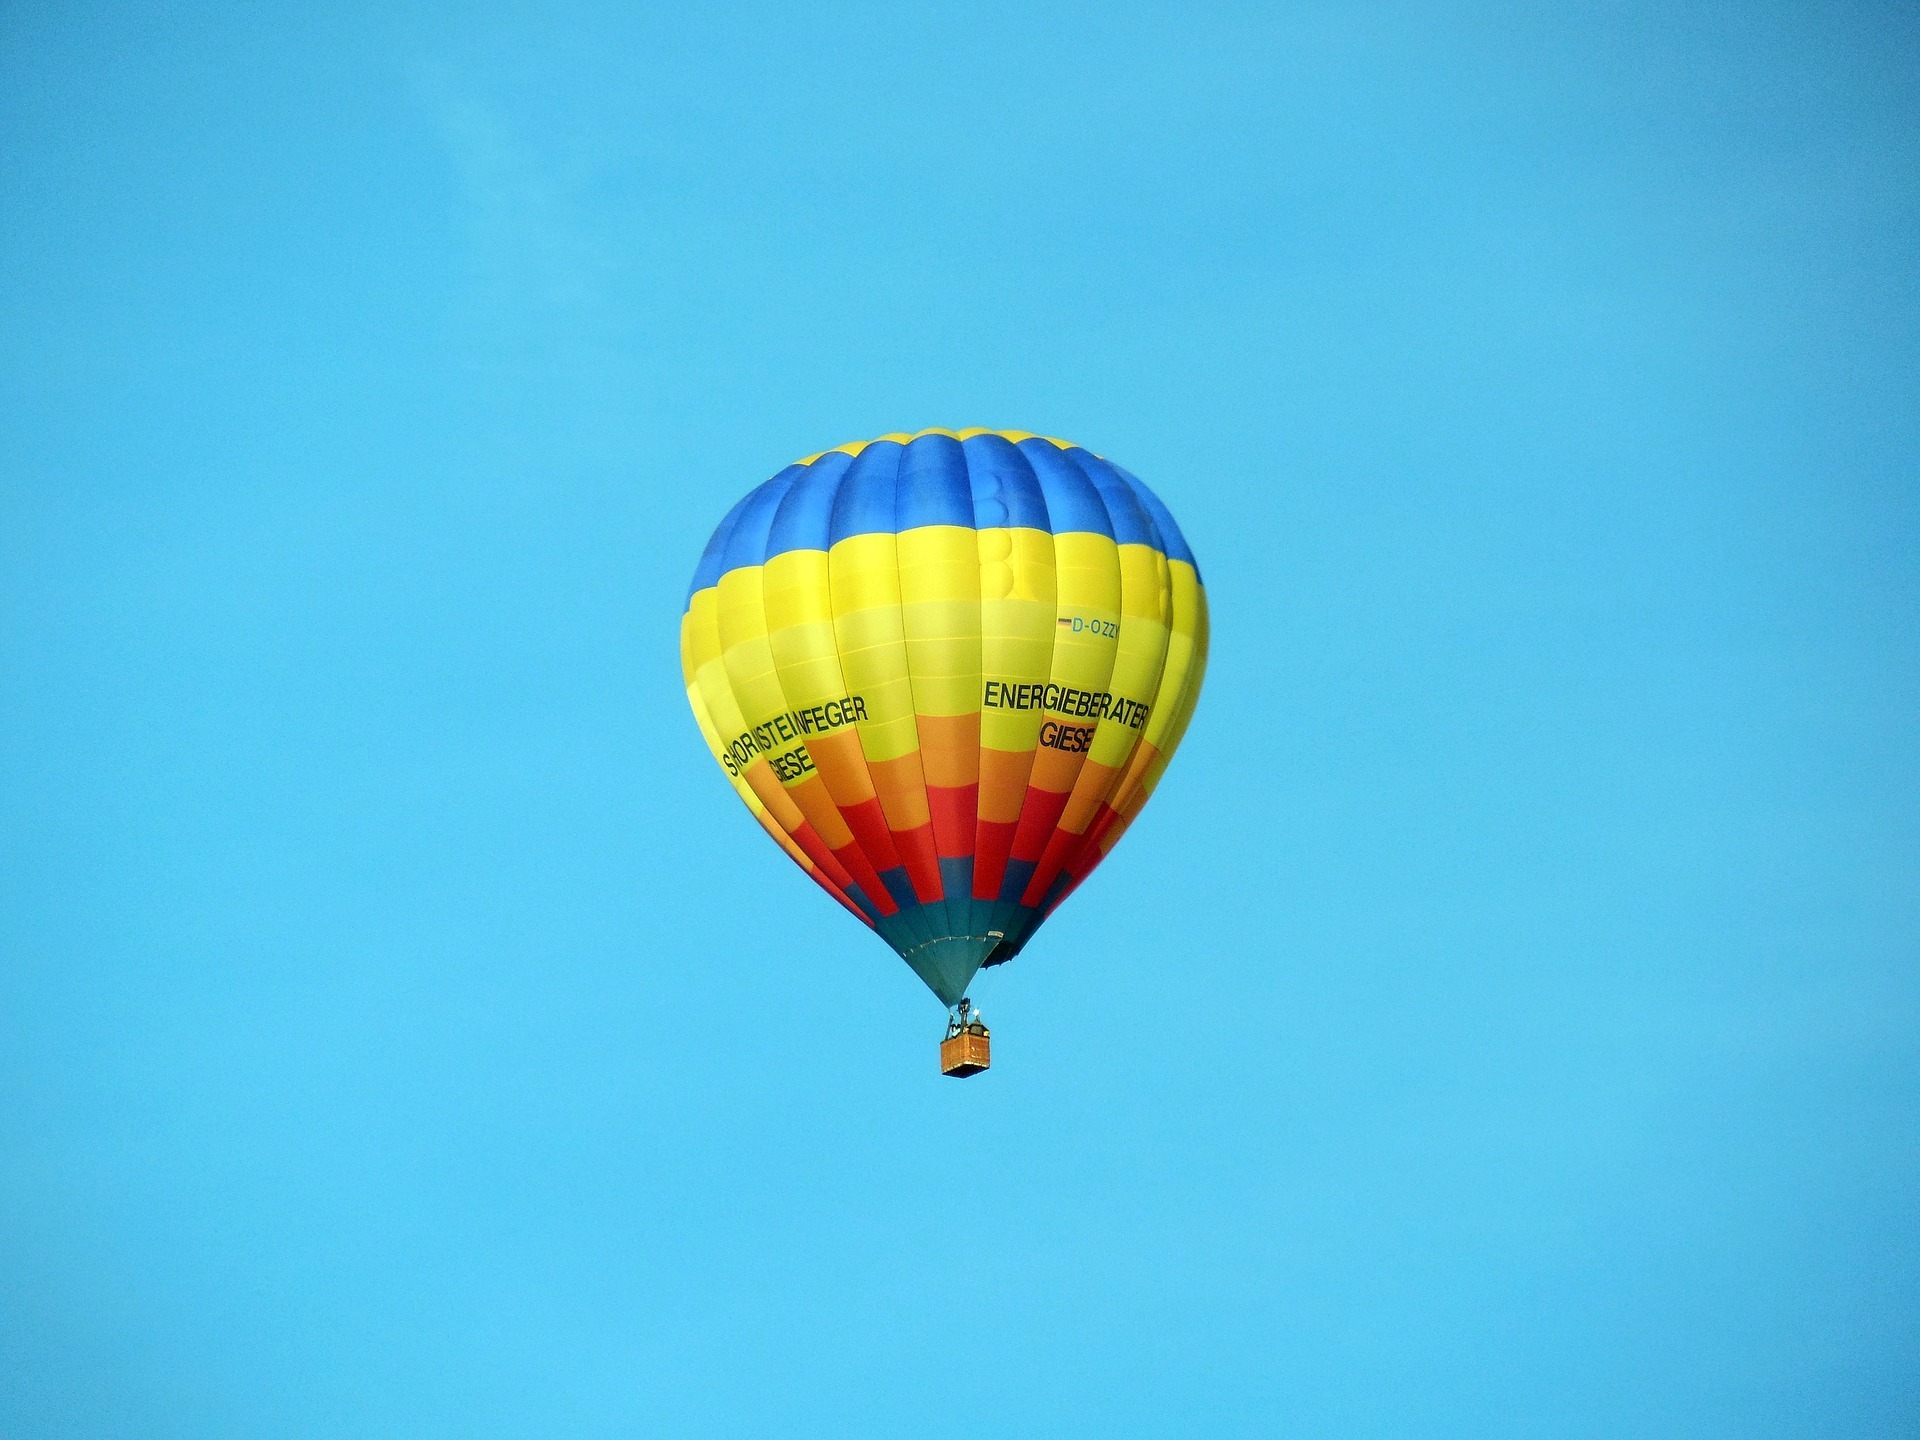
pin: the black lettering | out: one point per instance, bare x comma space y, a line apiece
793, 765
1073, 739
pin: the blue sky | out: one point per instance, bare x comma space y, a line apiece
1506, 1020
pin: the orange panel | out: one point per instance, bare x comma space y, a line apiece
1003, 784
950, 748
902, 789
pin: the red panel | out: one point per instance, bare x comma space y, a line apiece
955, 811
1038, 817
1094, 848
824, 873
1089, 853
841, 895
923, 865
992, 843
868, 822
1059, 850
865, 877
815, 849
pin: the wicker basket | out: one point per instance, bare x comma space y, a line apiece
966, 1053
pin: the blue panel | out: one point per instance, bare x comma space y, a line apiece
864, 505
1176, 543
1013, 884
1132, 524
1072, 502
1055, 891
932, 487
899, 886
748, 543
867, 907
713, 558
956, 878
984, 481
805, 518
1004, 489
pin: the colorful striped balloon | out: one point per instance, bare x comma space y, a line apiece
945, 671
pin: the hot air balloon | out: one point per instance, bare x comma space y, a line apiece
945, 671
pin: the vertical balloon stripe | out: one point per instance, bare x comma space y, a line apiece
1136, 672
821, 703
1177, 692
945, 672
1085, 645
1018, 615
1139, 665
1180, 694
864, 592
940, 615
940, 621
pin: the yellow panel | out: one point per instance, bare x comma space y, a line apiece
868, 628
1087, 625
946, 694
1017, 623
768, 726
1185, 645
879, 626
939, 562
1140, 654
864, 572
1179, 693
1144, 587
796, 589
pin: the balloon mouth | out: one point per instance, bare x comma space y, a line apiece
1002, 952
947, 965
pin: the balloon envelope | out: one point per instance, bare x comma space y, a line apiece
945, 671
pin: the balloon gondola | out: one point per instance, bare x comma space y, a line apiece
968, 1046
945, 672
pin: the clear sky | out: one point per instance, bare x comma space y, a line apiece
1506, 1020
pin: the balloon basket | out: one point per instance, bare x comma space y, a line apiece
968, 1048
